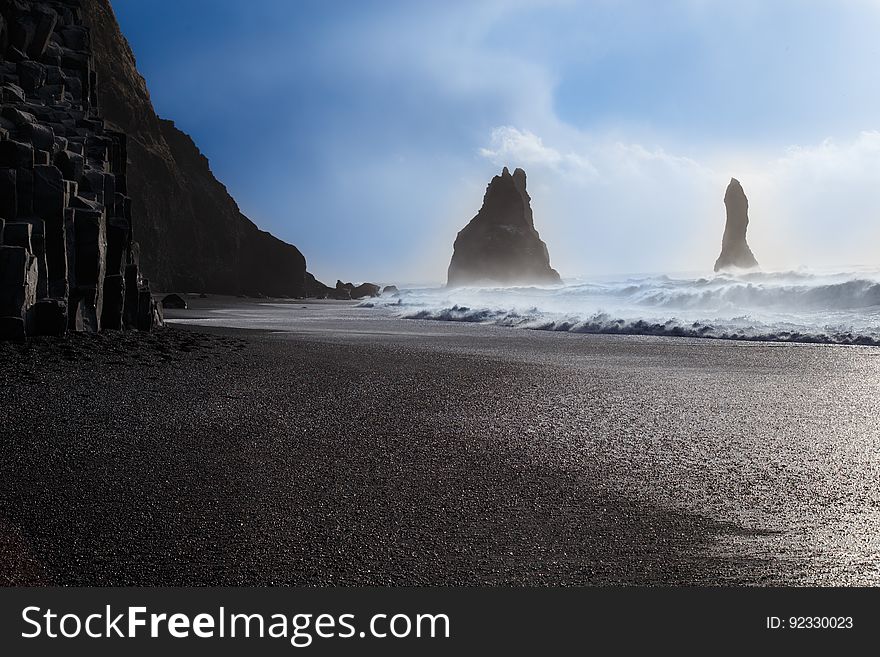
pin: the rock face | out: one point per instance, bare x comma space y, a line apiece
735, 251
500, 245
193, 236
68, 259
361, 291
174, 301
342, 291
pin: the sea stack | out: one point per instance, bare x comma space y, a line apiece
735, 251
500, 245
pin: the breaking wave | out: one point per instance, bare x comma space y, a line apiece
793, 306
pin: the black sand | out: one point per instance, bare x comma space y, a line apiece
422, 453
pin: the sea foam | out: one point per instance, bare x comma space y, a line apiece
841, 307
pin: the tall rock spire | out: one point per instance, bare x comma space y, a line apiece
500, 245
735, 251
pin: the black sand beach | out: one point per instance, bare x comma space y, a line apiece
402, 452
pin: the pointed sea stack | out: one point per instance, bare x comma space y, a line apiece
735, 251
500, 245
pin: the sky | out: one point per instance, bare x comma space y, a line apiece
366, 132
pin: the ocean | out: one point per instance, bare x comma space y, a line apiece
833, 306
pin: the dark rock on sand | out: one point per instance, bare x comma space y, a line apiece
342, 291
174, 301
365, 290
12, 328
352, 291
735, 251
500, 245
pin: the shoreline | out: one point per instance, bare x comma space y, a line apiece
235, 312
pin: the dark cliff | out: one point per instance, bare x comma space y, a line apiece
500, 244
192, 234
735, 251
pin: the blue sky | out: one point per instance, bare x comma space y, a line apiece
365, 132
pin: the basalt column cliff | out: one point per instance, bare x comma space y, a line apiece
735, 251
500, 245
67, 259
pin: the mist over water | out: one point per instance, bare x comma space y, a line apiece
841, 307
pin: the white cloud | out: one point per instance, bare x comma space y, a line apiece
818, 204
856, 159
512, 147
639, 158
521, 146
605, 162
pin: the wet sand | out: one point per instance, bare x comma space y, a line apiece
355, 449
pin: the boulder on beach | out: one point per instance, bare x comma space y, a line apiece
365, 290
342, 292
352, 291
735, 251
174, 301
500, 245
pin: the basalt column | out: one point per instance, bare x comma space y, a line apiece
65, 217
